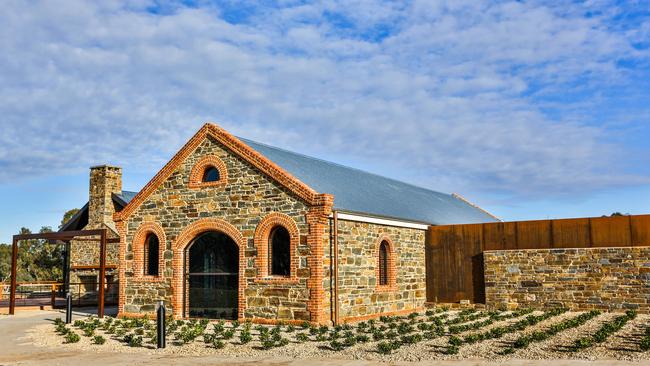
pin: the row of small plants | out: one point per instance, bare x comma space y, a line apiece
606, 330
541, 335
497, 332
645, 341
390, 331
493, 317
436, 328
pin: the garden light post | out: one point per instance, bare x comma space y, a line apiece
160, 322
68, 307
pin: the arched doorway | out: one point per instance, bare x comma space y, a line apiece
212, 276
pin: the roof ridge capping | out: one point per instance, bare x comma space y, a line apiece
458, 196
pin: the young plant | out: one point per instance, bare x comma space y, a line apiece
72, 337
302, 337
99, 340
245, 336
386, 348
218, 343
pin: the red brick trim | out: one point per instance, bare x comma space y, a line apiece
261, 240
137, 246
121, 271
196, 176
353, 319
240, 149
318, 220
184, 239
392, 268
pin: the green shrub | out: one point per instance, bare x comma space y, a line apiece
218, 343
305, 325
209, 337
88, 332
411, 338
99, 340
302, 337
218, 328
455, 341
336, 345
451, 350
290, 328
362, 338
386, 348
62, 329
136, 341
79, 323
228, 334
582, 343
645, 343
245, 336
139, 331
349, 341
72, 337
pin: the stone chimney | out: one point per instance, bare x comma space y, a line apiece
104, 181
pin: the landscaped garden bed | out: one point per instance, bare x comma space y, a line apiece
437, 334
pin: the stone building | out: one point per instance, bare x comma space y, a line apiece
230, 228
105, 198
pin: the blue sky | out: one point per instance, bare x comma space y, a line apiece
531, 109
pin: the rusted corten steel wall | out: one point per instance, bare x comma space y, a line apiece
454, 252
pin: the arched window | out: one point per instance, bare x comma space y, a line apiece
151, 260
211, 174
280, 252
383, 263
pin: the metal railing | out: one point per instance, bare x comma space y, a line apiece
53, 294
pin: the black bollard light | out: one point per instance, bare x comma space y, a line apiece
68, 308
160, 322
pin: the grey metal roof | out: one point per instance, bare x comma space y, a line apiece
357, 191
125, 197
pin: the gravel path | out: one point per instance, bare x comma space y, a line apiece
620, 346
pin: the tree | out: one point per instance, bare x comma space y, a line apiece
38, 260
5, 262
67, 216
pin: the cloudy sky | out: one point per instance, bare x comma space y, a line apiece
531, 109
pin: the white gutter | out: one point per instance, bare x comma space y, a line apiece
380, 221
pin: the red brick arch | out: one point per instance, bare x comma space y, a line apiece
392, 267
196, 175
137, 246
262, 232
185, 238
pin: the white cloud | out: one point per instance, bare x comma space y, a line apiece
454, 95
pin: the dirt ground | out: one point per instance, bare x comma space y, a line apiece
17, 347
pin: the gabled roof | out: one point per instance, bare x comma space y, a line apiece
245, 152
354, 190
357, 191
79, 220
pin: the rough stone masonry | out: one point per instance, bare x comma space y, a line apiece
580, 279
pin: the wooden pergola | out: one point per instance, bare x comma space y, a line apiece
98, 235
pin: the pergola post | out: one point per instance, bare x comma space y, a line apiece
102, 273
14, 264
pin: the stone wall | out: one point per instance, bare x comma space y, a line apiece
588, 278
360, 297
243, 201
